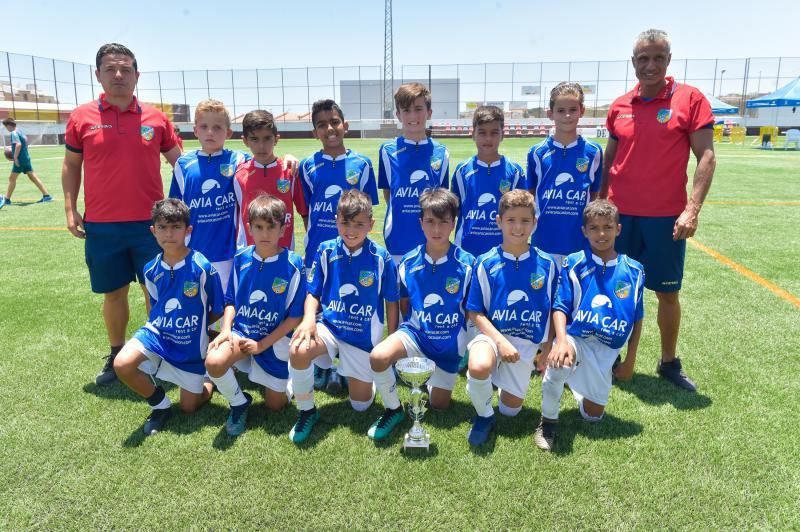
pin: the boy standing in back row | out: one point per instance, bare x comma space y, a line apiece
408, 165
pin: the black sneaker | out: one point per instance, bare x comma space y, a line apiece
673, 372
545, 435
107, 376
155, 421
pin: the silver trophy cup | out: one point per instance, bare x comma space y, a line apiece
415, 372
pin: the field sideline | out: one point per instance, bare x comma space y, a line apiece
72, 455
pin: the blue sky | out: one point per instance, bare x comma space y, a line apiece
197, 34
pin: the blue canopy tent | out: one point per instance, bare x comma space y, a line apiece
786, 96
718, 107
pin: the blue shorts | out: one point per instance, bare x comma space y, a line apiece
117, 252
649, 240
24, 167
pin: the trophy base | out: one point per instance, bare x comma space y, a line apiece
417, 443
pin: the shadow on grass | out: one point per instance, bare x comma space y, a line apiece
209, 414
116, 391
610, 428
656, 391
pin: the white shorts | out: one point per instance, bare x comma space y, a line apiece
353, 362
512, 377
440, 378
157, 367
591, 373
257, 374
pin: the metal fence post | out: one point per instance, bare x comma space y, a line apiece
35, 88
11, 85
55, 84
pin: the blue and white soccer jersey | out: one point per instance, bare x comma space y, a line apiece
264, 293
175, 337
516, 294
479, 186
406, 168
602, 303
205, 182
324, 178
352, 288
436, 327
562, 179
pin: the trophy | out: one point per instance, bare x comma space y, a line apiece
415, 372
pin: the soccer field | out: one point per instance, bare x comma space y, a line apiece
72, 455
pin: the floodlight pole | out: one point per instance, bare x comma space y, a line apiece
721, 75
388, 62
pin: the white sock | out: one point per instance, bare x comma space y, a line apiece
507, 410
480, 392
164, 404
229, 387
303, 386
361, 406
386, 384
552, 388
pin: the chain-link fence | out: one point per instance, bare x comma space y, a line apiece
40, 89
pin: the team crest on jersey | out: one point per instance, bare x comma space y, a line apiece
582, 164
226, 170
147, 132
283, 185
505, 186
190, 288
452, 284
279, 285
366, 278
352, 177
623, 289
537, 280
436, 164
664, 115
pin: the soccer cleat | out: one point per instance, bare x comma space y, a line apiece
236, 423
673, 372
4, 201
302, 429
321, 377
545, 435
385, 424
45, 199
107, 375
156, 420
480, 430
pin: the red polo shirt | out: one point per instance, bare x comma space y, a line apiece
255, 179
121, 158
648, 176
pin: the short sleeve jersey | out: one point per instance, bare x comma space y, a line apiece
264, 293
182, 297
323, 179
479, 186
121, 158
436, 292
562, 179
406, 168
515, 293
254, 179
648, 175
205, 182
351, 288
601, 300
18, 137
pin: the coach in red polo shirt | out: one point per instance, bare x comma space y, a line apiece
652, 130
118, 142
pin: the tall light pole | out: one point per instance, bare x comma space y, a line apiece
388, 62
721, 74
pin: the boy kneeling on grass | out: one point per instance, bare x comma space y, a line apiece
185, 296
598, 308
